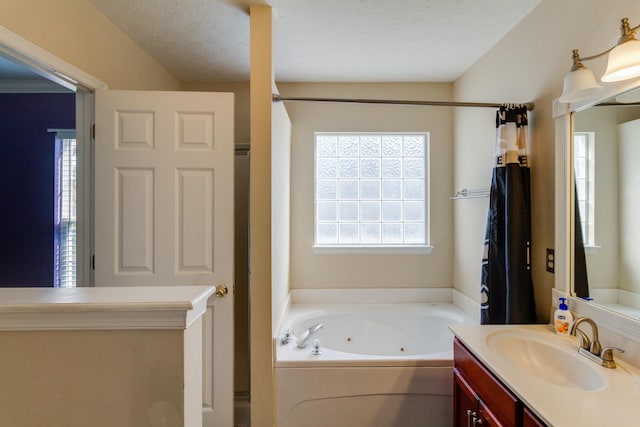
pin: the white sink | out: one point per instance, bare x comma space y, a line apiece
548, 358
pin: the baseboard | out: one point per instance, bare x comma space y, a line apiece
242, 414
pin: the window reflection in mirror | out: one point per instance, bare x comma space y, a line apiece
584, 168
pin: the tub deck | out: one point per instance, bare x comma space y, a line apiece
382, 389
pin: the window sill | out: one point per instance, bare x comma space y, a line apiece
591, 250
375, 250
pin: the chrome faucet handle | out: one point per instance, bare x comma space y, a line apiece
287, 337
315, 348
607, 356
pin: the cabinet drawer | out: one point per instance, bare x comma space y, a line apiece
504, 405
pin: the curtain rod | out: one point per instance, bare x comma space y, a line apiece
617, 104
278, 98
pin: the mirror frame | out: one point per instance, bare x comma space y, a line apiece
564, 214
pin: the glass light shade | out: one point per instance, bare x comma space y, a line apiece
624, 62
578, 85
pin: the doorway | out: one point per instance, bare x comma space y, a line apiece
27, 226
31, 105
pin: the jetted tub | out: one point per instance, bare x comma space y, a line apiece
380, 365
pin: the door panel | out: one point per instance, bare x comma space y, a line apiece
164, 209
133, 209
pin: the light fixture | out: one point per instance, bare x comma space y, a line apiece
580, 83
623, 63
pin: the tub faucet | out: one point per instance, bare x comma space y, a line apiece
592, 348
308, 334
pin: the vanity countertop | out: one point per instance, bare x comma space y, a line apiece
615, 403
137, 307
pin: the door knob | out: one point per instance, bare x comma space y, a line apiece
221, 291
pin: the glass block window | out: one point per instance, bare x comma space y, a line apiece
371, 189
583, 157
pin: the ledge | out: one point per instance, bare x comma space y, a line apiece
146, 307
372, 249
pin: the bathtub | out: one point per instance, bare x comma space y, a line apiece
380, 365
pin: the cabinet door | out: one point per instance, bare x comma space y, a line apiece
530, 420
487, 417
465, 402
504, 405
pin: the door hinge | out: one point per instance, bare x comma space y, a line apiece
93, 262
93, 131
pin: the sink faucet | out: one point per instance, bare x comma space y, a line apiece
306, 335
592, 348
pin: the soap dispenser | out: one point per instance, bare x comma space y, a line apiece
563, 318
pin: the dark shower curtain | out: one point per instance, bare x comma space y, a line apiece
507, 288
580, 276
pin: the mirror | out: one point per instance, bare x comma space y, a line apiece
606, 159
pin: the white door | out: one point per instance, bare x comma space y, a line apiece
164, 210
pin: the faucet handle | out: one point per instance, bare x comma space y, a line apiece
287, 337
607, 356
585, 342
607, 352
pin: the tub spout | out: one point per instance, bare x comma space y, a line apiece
308, 334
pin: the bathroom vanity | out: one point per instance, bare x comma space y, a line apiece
526, 375
481, 399
102, 356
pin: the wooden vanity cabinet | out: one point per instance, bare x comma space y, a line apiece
530, 420
480, 399
470, 410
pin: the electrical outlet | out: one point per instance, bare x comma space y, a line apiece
550, 260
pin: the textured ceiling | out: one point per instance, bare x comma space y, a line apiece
320, 40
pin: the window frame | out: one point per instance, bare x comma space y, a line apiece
588, 219
67, 204
379, 248
84, 131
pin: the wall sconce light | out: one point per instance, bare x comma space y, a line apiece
623, 63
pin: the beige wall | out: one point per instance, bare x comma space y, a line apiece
629, 133
73, 30
241, 91
89, 378
527, 65
281, 210
309, 270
